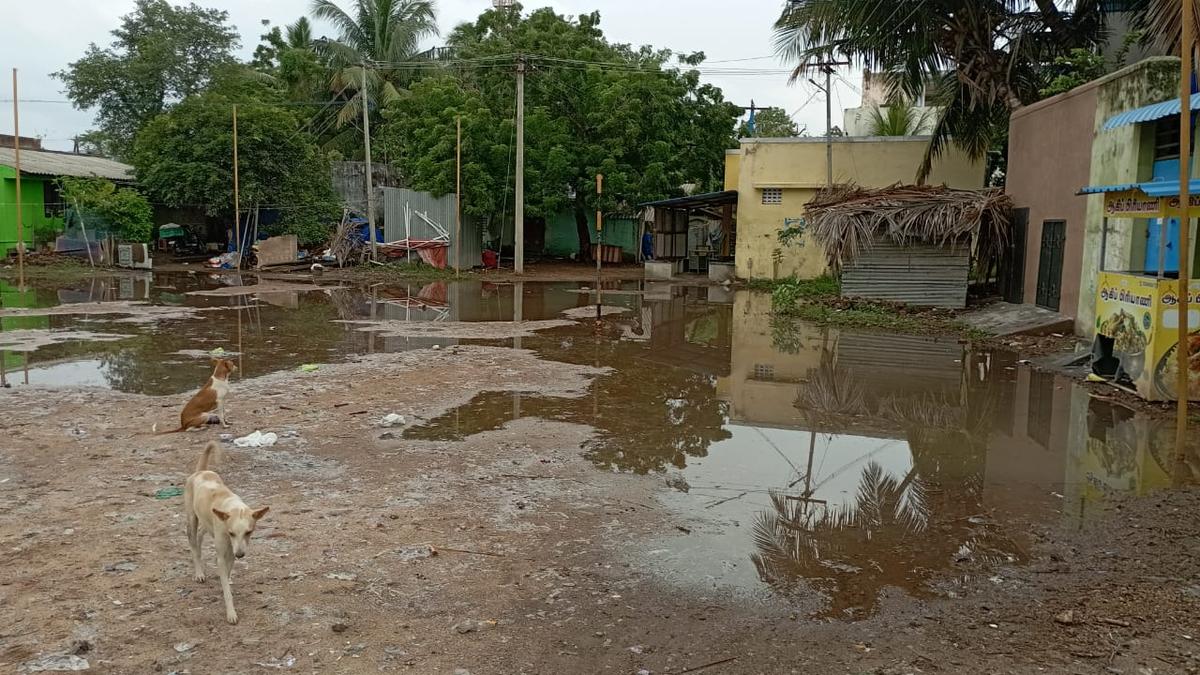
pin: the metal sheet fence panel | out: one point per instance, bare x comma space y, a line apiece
917, 275
441, 211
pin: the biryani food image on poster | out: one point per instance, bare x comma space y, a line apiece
1125, 312
1166, 342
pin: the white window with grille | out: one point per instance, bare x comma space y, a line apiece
772, 196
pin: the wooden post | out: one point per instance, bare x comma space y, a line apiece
237, 209
1182, 349
458, 243
17, 185
598, 249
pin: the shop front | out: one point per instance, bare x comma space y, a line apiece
1137, 311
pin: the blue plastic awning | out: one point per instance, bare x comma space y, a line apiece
1153, 188
1149, 113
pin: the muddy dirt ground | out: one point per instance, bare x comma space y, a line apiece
506, 552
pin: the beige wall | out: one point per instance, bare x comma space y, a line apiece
1049, 159
797, 165
733, 166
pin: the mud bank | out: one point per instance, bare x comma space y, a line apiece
503, 552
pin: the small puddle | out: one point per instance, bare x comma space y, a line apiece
818, 468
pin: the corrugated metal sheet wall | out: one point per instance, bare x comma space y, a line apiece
927, 276
441, 211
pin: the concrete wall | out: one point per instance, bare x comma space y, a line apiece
733, 168
1120, 155
1049, 159
797, 166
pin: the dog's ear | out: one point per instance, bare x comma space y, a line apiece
220, 514
259, 513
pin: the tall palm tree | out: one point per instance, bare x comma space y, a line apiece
984, 55
1161, 22
380, 34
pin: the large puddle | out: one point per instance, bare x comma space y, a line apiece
821, 468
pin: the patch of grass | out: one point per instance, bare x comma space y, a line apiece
396, 271
879, 316
52, 268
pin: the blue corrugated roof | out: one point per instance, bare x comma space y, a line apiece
1100, 189
1153, 188
1149, 113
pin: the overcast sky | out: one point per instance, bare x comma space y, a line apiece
40, 38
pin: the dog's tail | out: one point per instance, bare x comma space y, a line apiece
212, 453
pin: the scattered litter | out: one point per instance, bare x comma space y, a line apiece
218, 351
168, 492
1066, 618
256, 440
182, 647
286, 661
408, 553
1092, 377
341, 576
123, 566
392, 420
637, 649
56, 663
473, 626
308, 367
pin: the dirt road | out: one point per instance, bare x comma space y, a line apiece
506, 552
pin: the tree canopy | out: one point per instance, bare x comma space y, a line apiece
184, 157
987, 56
770, 123
591, 106
123, 208
161, 54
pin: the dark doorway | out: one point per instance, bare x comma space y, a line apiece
1050, 264
1011, 275
535, 236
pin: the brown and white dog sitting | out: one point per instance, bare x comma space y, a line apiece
212, 508
210, 397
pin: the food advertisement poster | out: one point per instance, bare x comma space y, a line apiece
1125, 312
1141, 315
1166, 340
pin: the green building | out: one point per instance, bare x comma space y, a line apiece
41, 206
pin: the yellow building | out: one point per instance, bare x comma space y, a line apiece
776, 177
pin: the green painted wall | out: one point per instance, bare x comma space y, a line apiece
562, 240
33, 208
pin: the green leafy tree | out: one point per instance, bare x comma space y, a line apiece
1078, 67
122, 208
770, 123
995, 51
591, 107
185, 158
160, 55
381, 33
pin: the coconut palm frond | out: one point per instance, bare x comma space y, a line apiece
846, 219
1161, 22
299, 34
832, 391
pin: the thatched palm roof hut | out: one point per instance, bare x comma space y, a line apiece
909, 243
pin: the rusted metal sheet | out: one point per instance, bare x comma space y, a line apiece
439, 210
928, 276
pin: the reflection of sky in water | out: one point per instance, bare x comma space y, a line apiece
730, 487
86, 373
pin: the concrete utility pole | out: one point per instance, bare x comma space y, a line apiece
362, 96
519, 207
598, 251
1182, 348
827, 68
458, 198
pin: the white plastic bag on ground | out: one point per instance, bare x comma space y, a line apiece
256, 440
391, 420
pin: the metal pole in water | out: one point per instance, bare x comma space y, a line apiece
598, 251
1183, 347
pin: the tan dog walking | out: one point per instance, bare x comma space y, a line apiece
211, 508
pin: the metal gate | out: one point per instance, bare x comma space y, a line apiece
1049, 286
1011, 274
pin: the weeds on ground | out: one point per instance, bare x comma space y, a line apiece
399, 271
52, 268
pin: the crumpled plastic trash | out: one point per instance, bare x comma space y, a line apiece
219, 351
308, 367
391, 420
1092, 377
56, 663
256, 440
168, 492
